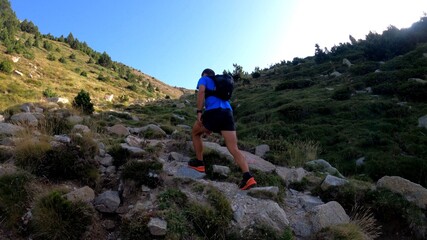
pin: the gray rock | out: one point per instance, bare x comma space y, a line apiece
118, 129
74, 119
412, 192
25, 118
422, 121
186, 172
85, 194
1, 118
107, 201
261, 150
62, 138
332, 181
321, 165
254, 162
157, 227
290, 175
134, 141
80, 129
10, 129
221, 170
326, 215
346, 62
134, 151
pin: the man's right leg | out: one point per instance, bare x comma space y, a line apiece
196, 135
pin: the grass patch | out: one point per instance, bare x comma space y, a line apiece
14, 198
54, 217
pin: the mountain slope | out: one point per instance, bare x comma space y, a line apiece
54, 67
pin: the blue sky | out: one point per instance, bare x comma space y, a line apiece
175, 40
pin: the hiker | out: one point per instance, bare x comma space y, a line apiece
217, 117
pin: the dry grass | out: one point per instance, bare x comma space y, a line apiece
364, 219
299, 152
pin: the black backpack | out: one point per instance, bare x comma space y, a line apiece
224, 85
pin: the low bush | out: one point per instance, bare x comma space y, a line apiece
54, 217
212, 220
342, 94
14, 196
143, 172
294, 84
83, 102
6, 66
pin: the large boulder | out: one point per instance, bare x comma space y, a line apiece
412, 192
329, 214
25, 118
9, 129
254, 162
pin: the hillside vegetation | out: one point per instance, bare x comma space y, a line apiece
34, 66
359, 100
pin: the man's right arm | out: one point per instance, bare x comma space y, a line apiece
200, 101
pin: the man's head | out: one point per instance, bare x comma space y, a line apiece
208, 72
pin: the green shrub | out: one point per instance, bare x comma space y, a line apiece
29, 154
410, 91
342, 94
294, 84
211, 220
68, 163
47, 45
293, 112
103, 78
173, 203
14, 197
400, 216
135, 227
6, 66
49, 93
83, 73
62, 60
72, 56
82, 101
142, 172
51, 57
54, 217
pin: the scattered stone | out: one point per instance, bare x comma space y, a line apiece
85, 194
62, 138
186, 172
321, 165
134, 141
157, 227
134, 151
80, 129
221, 170
291, 175
346, 62
18, 73
25, 118
329, 214
422, 121
107, 202
118, 129
9, 129
261, 150
332, 181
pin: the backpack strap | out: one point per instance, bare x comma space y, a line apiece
209, 92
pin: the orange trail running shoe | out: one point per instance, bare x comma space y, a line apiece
246, 184
197, 165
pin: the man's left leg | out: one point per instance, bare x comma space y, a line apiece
230, 139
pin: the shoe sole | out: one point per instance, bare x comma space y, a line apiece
249, 184
199, 168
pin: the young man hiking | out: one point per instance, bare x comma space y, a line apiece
218, 117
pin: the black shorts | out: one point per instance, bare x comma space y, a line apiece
219, 119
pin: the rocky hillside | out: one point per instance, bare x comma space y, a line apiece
119, 175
